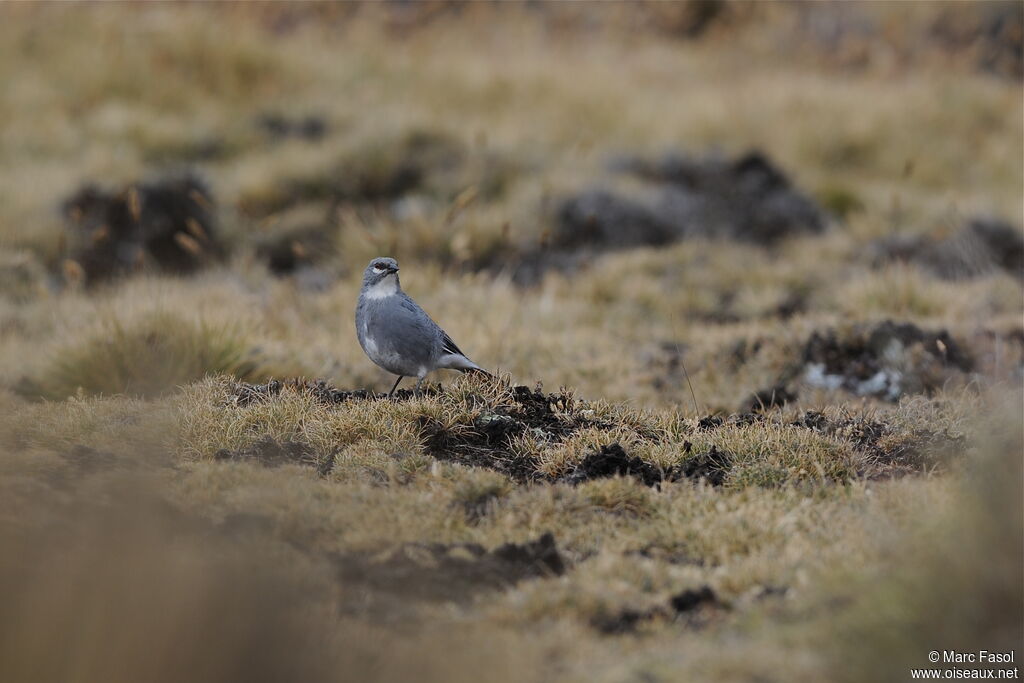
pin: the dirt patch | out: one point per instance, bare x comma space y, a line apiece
612, 461
81, 462
885, 360
484, 445
691, 600
712, 466
168, 224
692, 607
448, 573
981, 247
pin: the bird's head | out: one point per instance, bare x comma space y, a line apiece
381, 270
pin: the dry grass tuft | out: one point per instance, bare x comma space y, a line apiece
150, 355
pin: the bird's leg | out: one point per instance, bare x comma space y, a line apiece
417, 391
400, 378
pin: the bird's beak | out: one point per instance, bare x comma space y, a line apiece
392, 269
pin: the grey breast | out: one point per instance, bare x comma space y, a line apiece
398, 335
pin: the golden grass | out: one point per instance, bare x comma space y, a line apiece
146, 357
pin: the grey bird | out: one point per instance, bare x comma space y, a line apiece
397, 334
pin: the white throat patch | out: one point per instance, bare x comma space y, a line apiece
383, 289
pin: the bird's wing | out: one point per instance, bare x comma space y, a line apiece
451, 355
449, 346
425, 322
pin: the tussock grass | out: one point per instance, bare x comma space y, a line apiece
145, 356
769, 455
457, 425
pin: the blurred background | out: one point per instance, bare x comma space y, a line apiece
782, 159
792, 205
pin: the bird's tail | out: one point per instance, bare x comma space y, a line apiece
456, 361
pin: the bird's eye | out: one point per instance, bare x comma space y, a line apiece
378, 268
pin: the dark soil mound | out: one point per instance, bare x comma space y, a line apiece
886, 360
487, 442
694, 607
983, 246
168, 224
712, 466
748, 198
689, 600
612, 461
